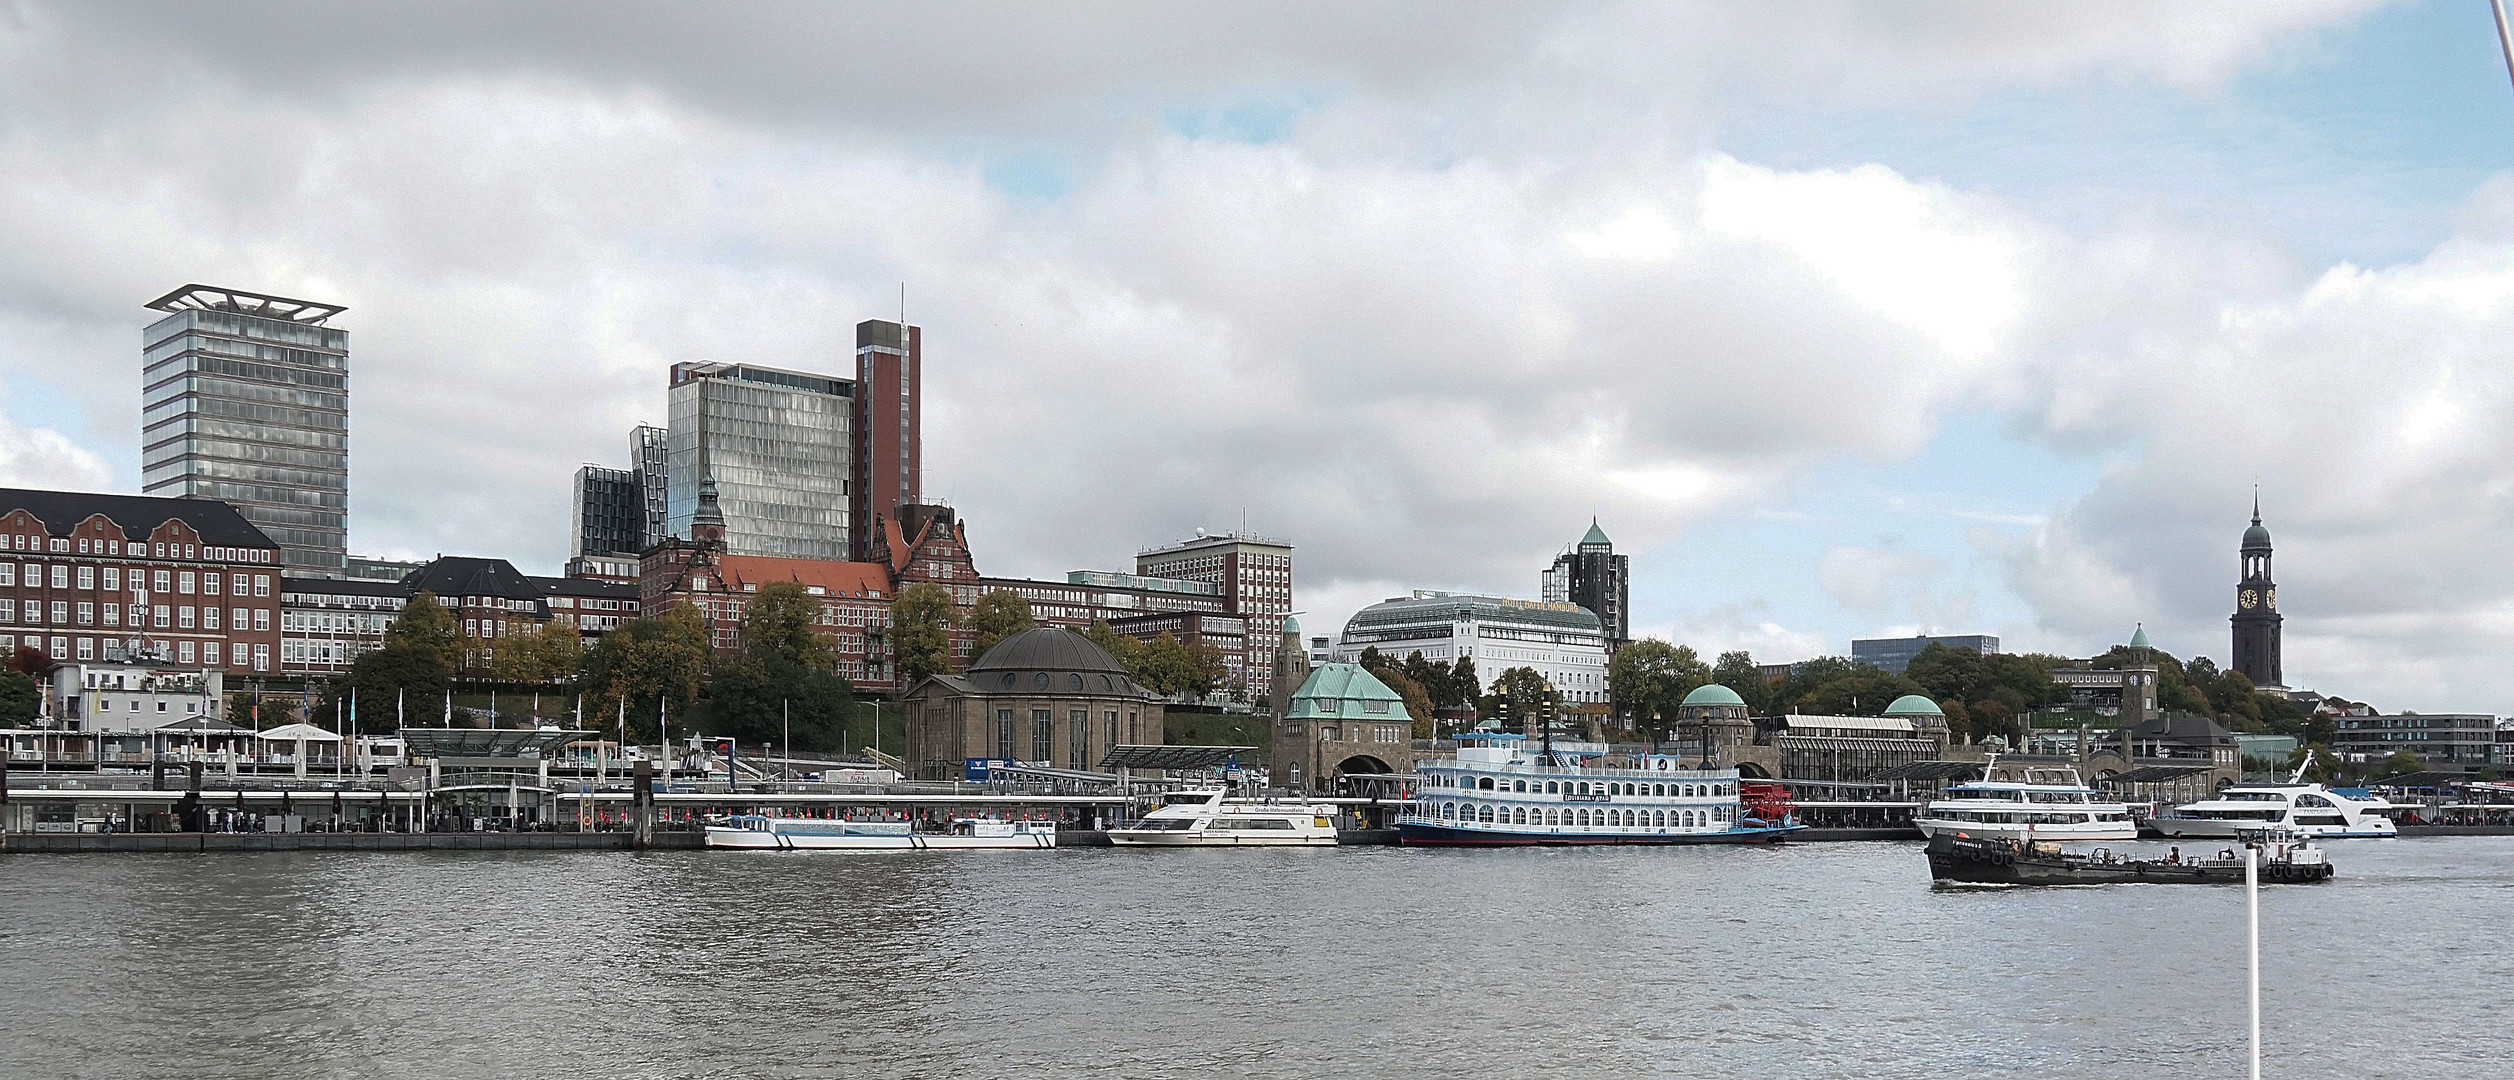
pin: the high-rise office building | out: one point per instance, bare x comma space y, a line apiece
1255, 576
650, 457
1895, 654
245, 399
610, 509
889, 448
1594, 577
779, 445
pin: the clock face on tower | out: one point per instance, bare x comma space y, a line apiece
2250, 598
2271, 598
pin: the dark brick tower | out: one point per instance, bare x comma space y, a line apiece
2256, 616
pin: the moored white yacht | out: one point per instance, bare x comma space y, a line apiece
2051, 803
1207, 819
2311, 809
765, 833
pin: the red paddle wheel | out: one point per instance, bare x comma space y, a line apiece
1763, 802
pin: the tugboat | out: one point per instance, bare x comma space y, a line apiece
2287, 857
1496, 793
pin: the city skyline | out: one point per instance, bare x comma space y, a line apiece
1174, 290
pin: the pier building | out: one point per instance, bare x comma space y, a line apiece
1341, 722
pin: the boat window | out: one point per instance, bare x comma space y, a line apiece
1483, 813
1519, 816
1552, 818
1659, 819
1581, 816
1449, 810
1484, 784
1518, 785
1551, 787
2313, 800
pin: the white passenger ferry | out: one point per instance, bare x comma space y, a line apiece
761, 832
2311, 809
1207, 819
2049, 804
1495, 792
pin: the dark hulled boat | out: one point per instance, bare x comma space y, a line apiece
1970, 860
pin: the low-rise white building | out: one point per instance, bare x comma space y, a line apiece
1564, 642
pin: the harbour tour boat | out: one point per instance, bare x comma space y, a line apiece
2049, 804
765, 833
2311, 809
1207, 819
2286, 857
1495, 792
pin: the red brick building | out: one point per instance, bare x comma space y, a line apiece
123, 578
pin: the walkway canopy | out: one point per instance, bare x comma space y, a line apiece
297, 733
2156, 774
427, 742
1929, 770
1173, 757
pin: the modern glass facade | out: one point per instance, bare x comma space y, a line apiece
610, 509
779, 445
245, 399
650, 457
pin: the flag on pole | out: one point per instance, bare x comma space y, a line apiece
449, 708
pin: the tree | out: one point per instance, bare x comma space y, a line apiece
1519, 699
416, 662
2402, 763
1169, 666
1649, 678
544, 653
19, 698
657, 658
920, 631
1128, 651
424, 624
782, 620
1433, 678
998, 614
1462, 682
1856, 691
783, 684
1738, 671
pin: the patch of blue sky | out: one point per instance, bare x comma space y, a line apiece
1979, 479
1255, 120
1034, 176
37, 403
2359, 151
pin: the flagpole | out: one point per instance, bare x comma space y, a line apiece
785, 709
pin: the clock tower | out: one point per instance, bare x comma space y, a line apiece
2256, 610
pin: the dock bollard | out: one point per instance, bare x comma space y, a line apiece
642, 805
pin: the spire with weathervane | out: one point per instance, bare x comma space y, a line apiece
2256, 619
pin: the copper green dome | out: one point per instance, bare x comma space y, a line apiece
1714, 694
1914, 705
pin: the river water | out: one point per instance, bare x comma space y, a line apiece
1811, 960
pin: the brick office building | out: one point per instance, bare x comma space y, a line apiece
172, 582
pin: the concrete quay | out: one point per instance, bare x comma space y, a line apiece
83, 843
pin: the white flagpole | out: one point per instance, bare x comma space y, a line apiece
785, 713
2252, 938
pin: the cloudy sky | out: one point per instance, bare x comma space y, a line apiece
1843, 318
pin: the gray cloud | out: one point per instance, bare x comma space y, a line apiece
1479, 276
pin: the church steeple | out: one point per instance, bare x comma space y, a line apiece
2256, 619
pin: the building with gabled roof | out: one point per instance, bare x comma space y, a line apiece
139, 579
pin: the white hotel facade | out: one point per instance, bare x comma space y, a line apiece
1564, 642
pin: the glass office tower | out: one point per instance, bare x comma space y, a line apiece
778, 444
245, 399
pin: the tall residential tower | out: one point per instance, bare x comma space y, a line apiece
1594, 577
889, 436
245, 399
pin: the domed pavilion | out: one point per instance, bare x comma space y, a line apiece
1044, 696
